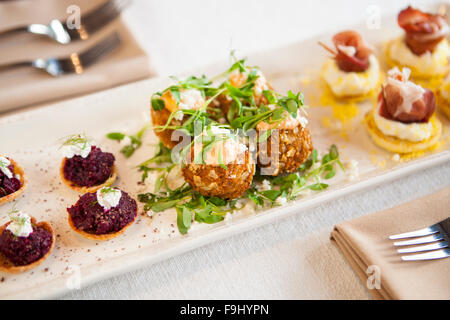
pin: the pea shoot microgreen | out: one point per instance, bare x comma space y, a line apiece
189, 204
135, 141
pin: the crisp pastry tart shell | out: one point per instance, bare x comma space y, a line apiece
443, 105
92, 189
6, 266
23, 179
400, 146
98, 237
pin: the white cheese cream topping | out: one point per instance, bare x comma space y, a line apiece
4, 163
20, 224
77, 149
108, 197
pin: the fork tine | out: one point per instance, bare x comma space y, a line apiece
97, 51
428, 239
103, 15
418, 233
438, 254
428, 247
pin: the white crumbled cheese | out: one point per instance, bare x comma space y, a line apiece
264, 186
17, 176
281, 200
178, 115
191, 99
20, 224
125, 141
396, 157
4, 163
352, 170
303, 121
348, 50
228, 218
78, 149
108, 197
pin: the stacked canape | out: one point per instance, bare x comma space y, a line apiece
403, 120
102, 215
102, 212
424, 48
12, 180
86, 168
353, 71
24, 243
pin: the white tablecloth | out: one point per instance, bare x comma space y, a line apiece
290, 259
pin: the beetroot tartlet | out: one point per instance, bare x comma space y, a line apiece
12, 180
24, 243
102, 215
86, 168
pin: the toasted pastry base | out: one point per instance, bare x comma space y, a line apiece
92, 189
397, 145
23, 179
6, 266
99, 237
443, 105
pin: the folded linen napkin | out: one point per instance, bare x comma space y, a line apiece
365, 244
26, 86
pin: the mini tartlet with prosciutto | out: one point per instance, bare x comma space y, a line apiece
85, 167
424, 48
12, 180
443, 96
403, 120
102, 215
24, 243
353, 71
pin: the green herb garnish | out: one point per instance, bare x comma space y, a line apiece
135, 140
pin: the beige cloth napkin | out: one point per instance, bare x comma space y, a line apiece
26, 86
364, 242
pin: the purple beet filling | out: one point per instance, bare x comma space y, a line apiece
7, 185
90, 171
22, 251
89, 216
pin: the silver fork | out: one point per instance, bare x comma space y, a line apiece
64, 34
433, 240
75, 63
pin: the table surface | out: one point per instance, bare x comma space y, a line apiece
292, 258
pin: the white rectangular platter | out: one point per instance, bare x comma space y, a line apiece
31, 138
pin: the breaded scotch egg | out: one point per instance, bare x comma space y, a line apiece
162, 107
288, 146
225, 168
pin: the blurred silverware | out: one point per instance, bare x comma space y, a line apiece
433, 240
75, 63
90, 23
